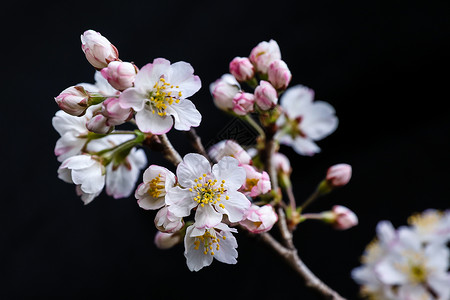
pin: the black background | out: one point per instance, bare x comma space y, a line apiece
382, 65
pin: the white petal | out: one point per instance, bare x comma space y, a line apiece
295, 99
68, 145
79, 162
305, 146
182, 74
389, 274
227, 251
207, 217
195, 259
148, 202
440, 284
149, 122
236, 206
149, 74
186, 115
132, 98
319, 120
228, 169
193, 166
180, 201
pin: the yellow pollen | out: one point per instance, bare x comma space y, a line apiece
156, 187
160, 99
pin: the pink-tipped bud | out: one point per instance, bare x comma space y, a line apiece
259, 219
243, 103
266, 95
120, 75
339, 175
73, 100
99, 124
279, 74
242, 69
256, 183
343, 218
165, 221
264, 54
223, 91
115, 114
282, 163
98, 50
229, 148
165, 240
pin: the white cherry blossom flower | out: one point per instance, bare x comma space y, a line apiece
202, 245
165, 221
100, 86
399, 266
87, 172
212, 191
152, 192
73, 133
229, 148
160, 92
432, 225
304, 121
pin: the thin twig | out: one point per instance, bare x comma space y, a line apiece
292, 259
196, 142
169, 151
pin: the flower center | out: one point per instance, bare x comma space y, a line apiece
251, 182
163, 94
208, 191
426, 221
417, 273
156, 189
209, 241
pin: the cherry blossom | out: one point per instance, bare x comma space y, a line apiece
304, 121
202, 245
212, 191
160, 92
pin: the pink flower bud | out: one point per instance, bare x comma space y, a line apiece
165, 221
256, 183
98, 124
98, 50
229, 148
344, 218
115, 114
243, 103
165, 240
120, 75
279, 74
223, 91
264, 54
339, 175
266, 95
73, 100
259, 219
242, 69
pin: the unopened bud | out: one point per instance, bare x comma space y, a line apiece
98, 50
223, 91
266, 95
165, 240
243, 103
339, 175
264, 54
341, 217
279, 74
115, 114
73, 100
259, 219
120, 75
242, 69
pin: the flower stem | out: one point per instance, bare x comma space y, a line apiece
310, 200
255, 125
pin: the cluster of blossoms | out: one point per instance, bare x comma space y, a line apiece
408, 263
216, 191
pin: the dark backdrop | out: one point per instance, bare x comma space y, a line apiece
382, 65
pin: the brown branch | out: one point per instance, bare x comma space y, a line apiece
291, 257
196, 143
169, 151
